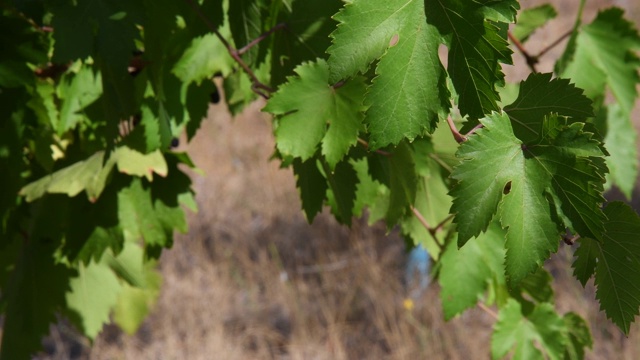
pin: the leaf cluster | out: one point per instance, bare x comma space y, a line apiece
95, 95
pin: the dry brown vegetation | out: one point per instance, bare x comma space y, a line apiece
252, 280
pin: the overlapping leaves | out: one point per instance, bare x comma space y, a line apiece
404, 101
477, 45
312, 111
603, 56
536, 189
616, 263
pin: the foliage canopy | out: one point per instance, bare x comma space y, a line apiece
94, 96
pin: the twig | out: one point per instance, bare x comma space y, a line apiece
262, 36
475, 128
569, 238
454, 131
531, 60
430, 230
486, 309
555, 43
440, 225
422, 220
235, 54
381, 152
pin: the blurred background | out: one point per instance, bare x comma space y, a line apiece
253, 280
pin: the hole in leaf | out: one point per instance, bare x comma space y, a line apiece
214, 97
507, 188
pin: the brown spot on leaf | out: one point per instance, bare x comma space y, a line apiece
394, 40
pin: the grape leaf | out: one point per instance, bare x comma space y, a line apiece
312, 111
524, 184
100, 229
152, 211
245, 21
623, 152
369, 193
145, 136
539, 96
538, 335
77, 91
432, 201
205, 57
603, 56
403, 183
616, 262
197, 103
33, 295
529, 20
312, 186
403, 102
586, 259
478, 262
135, 163
138, 217
306, 37
94, 292
341, 196
91, 175
140, 290
578, 336
476, 49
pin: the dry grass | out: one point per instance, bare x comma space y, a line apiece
253, 280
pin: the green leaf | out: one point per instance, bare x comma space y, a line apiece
139, 292
305, 38
524, 185
74, 31
403, 101
476, 49
603, 58
100, 229
537, 286
403, 183
90, 175
134, 163
34, 293
197, 103
152, 211
539, 96
145, 136
312, 111
432, 200
77, 91
205, 57
245, 21
617, 265
343, 183
623, 152
578, 336
465, 273
538, 335
586, 260
369, 193
93, 295
529, 20
137, 215
312, 186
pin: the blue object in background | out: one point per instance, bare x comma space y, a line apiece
417, 271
